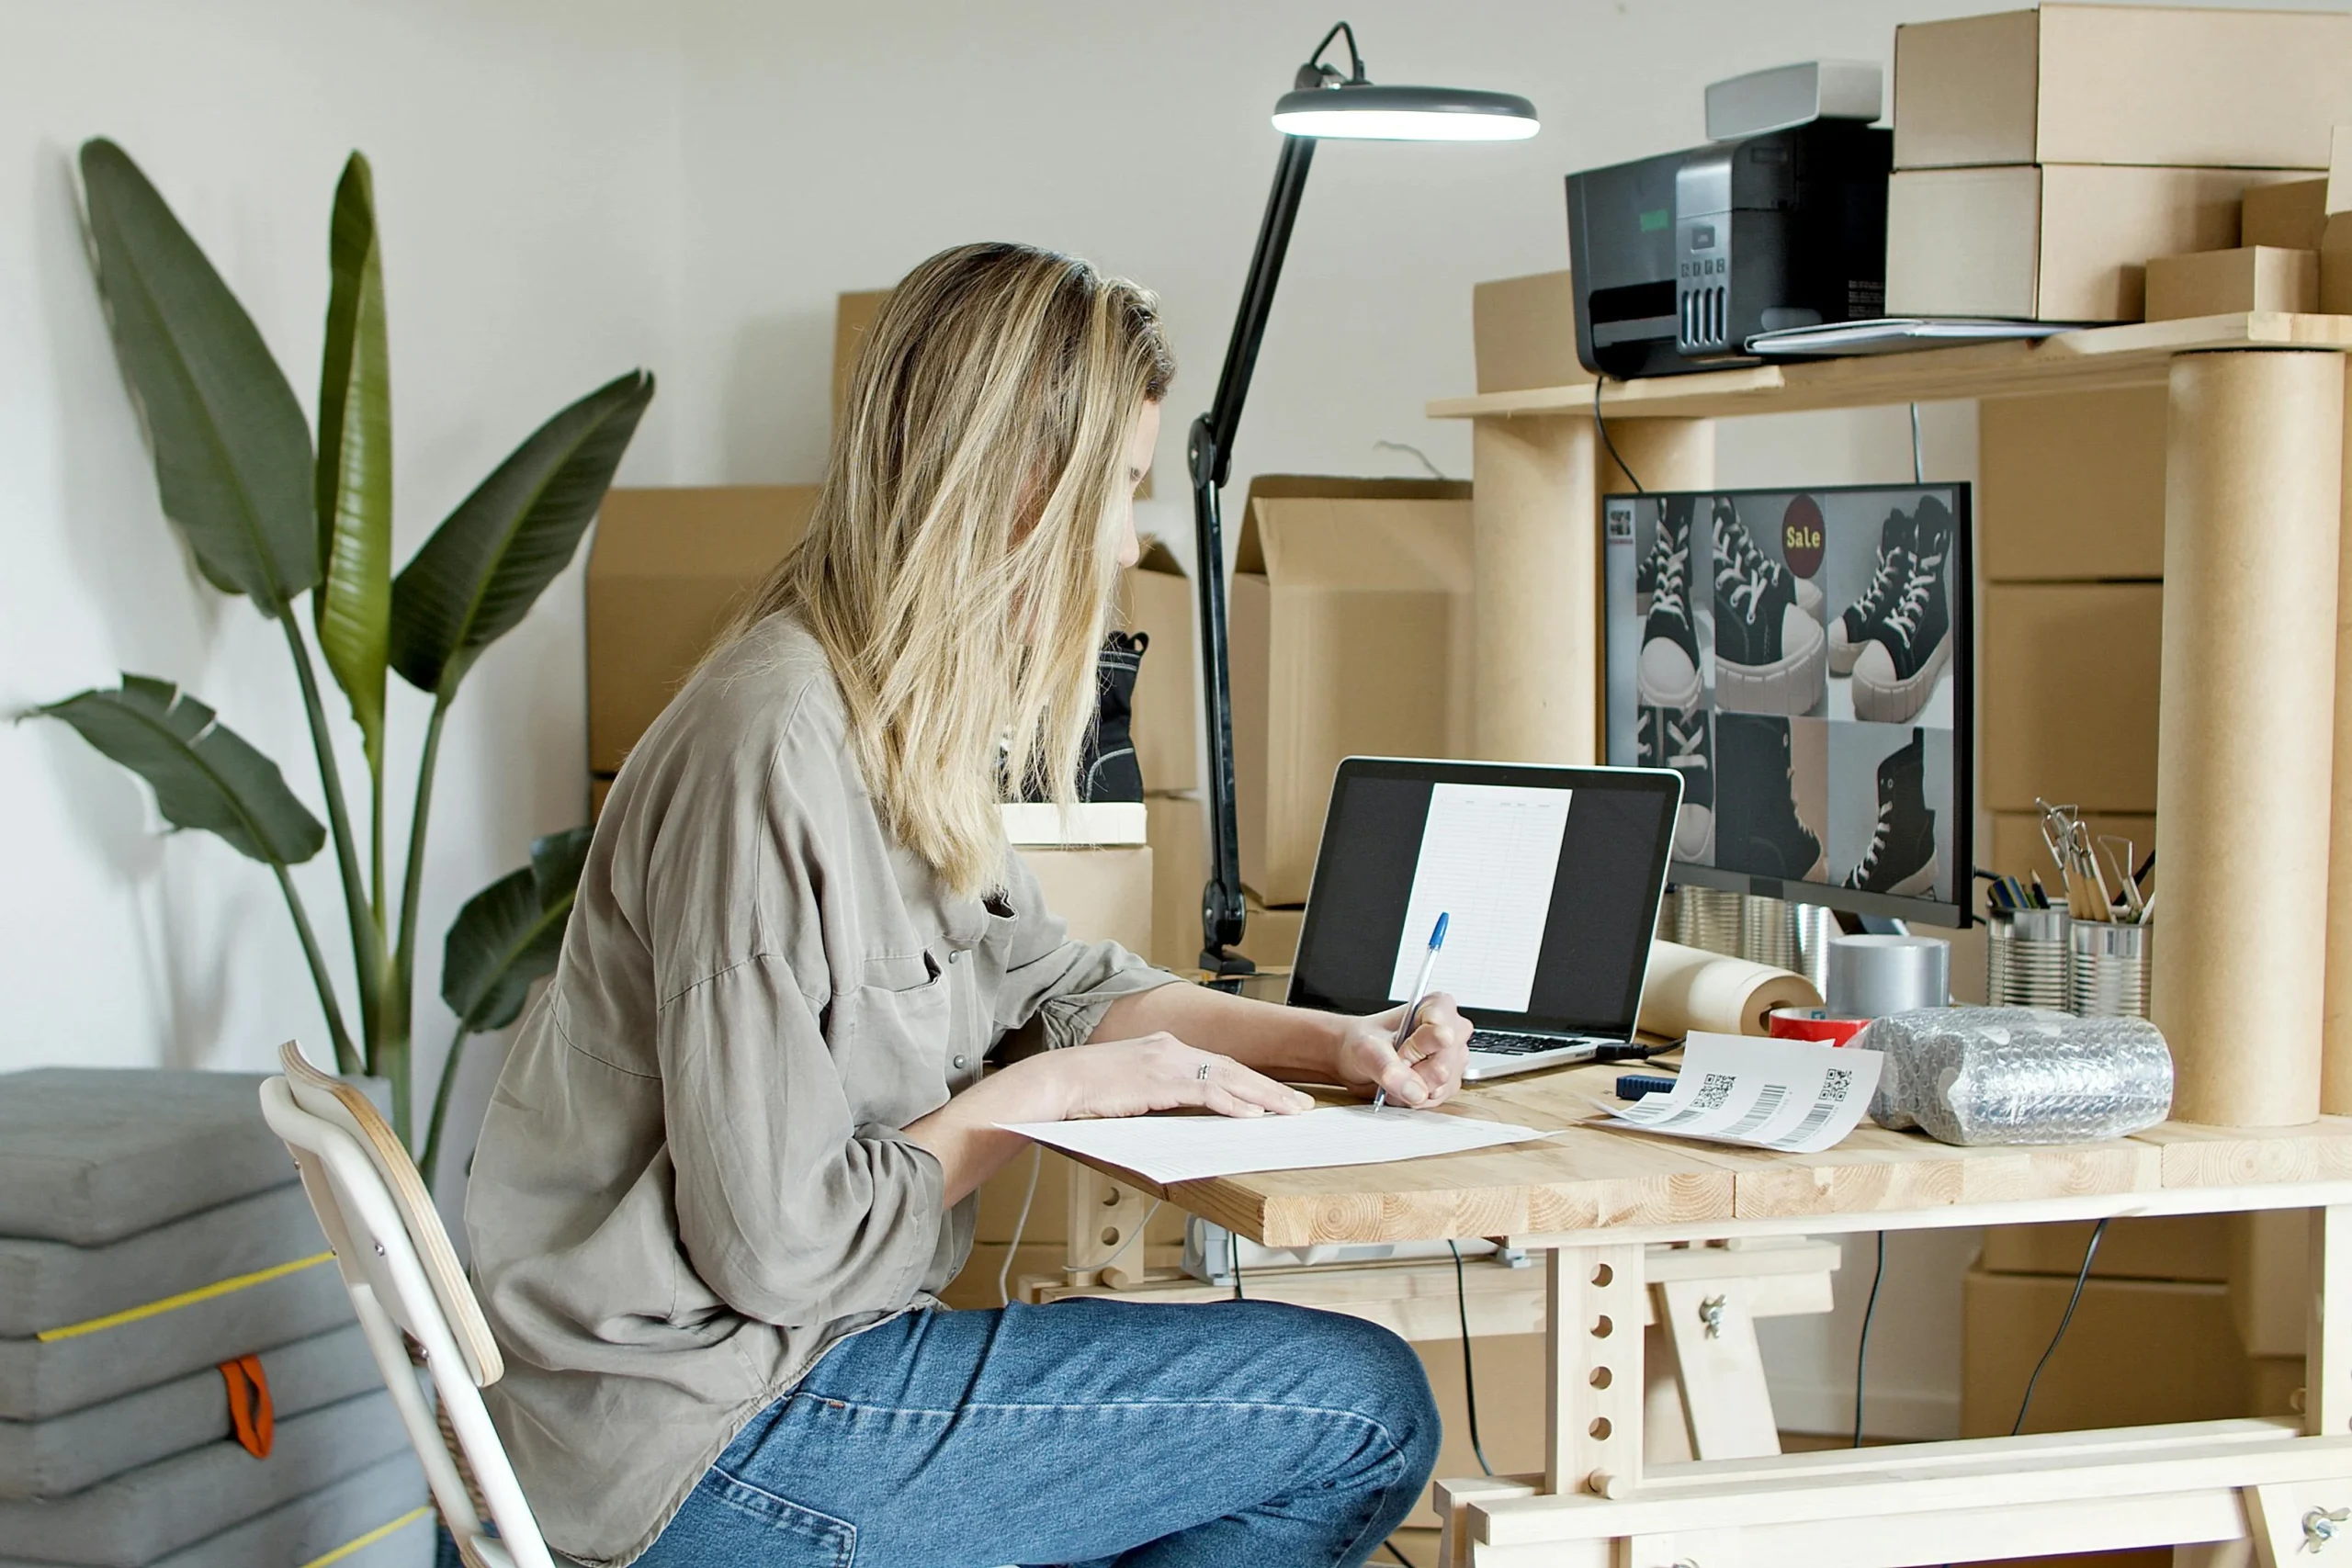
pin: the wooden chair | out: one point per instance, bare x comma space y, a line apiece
407, 1289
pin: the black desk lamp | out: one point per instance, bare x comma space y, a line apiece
1321, 103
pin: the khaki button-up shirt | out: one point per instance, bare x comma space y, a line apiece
692, 1178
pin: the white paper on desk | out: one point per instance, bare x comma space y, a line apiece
1191, 1148
1797, 1096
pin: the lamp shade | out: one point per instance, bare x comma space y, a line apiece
1364, 111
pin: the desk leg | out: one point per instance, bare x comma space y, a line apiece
1592, 1339
1726, 1401
2253, 482
2327, 1350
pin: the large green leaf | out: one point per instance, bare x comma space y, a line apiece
204, 774
487, 563
233, 455
510, 933
354, 488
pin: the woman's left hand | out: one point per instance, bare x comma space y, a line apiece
1424, 1071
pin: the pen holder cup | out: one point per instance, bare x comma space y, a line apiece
2107, 970
2026, 959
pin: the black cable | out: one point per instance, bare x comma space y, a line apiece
2081, 1279
1397, 1554
1602, 425
1469, 1376
1863, 1347
1919, 452
1233, 1260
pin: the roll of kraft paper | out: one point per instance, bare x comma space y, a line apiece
1688, 989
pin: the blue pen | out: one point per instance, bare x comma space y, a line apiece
1421, 989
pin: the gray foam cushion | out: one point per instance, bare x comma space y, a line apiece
48, 1284
311, 1525
40, 1379
135, 1518
82, 1447
92, 1155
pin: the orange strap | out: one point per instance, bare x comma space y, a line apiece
252, 1417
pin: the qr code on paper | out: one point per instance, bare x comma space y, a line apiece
1837, 1084
1712, 1091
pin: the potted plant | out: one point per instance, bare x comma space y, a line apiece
273, 516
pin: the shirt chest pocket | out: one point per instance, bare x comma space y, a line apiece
901, 1036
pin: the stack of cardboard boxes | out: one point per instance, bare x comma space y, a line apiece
2041, 157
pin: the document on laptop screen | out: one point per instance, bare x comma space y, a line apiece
1490, 853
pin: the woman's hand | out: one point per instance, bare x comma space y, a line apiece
1157, 1072
1425, 1070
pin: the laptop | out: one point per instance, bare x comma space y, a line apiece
1549, 878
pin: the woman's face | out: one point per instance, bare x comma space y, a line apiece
1140, 443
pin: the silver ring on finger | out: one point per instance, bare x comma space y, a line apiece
1203, 1073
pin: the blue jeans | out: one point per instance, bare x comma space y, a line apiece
1230, 1434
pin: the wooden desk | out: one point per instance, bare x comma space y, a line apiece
1592, 1199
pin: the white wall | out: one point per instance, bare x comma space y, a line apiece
570, 187
524, 156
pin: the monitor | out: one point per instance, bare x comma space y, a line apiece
1805, 659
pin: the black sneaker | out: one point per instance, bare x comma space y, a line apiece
1690, 752
1856, 626
1771, 653
1667, 675
1896, 671
1758, 829
1902, 858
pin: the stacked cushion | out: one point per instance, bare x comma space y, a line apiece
151, 1230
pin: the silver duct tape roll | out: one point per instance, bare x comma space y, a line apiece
1871, 977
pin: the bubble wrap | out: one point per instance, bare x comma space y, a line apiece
2018, 1075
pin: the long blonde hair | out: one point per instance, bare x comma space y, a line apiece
959, 565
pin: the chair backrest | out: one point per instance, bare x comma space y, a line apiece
403, 1279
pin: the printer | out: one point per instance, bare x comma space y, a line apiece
1679, 259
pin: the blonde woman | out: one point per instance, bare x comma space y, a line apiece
732, 1156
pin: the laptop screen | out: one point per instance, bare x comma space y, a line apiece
1549, 878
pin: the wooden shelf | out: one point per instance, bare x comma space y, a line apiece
2094, 358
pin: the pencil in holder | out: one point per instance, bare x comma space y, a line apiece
2026, 959
2108, 969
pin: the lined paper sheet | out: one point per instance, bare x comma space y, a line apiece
1490, 853
1192, 1148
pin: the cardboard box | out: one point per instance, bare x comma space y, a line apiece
1351, 635
1271, 938
1510, 1369
1178, 827
1156, 598
2290, 215
2016, 850
599, 786
1102, 894
2071, 486
2068, 695
2140, 1352
2220, 283
2049, 241
2270, 1280
1525, 330
2173, 1247
2122, 84
853, 314
666, 570
1084, 824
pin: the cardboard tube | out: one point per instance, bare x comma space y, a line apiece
2252, 489
2335, 1028
1688, 989
1665, 454
1536, 591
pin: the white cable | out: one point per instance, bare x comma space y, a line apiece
1141, 1226
1004, 1274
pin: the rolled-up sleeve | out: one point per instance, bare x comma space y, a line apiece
1055, 989
791, 1211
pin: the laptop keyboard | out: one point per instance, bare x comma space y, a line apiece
1502, 1042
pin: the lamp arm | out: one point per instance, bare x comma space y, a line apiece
1211, 453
